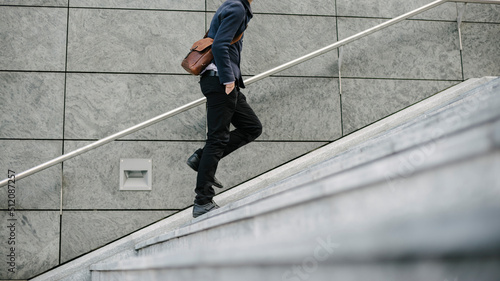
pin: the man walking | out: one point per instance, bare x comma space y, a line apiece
220, 83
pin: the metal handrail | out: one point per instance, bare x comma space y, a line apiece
247, 82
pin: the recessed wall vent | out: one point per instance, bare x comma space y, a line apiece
136, 174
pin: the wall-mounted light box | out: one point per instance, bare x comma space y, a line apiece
136, 174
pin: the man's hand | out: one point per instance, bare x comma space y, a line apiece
229, 88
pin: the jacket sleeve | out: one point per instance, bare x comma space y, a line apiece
231, 18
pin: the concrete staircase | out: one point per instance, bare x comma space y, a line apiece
415, 196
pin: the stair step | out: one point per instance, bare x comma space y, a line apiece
430, 247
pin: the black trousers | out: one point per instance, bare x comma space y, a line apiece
222, 110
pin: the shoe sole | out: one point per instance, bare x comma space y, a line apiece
197, 214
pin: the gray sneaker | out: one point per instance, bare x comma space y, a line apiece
199, 210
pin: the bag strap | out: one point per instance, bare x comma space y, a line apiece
235, 39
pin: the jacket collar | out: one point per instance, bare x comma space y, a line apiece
247, 7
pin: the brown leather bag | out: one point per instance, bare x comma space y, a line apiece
200, 55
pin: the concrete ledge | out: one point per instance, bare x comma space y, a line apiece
416, 248
466, 233
383, 271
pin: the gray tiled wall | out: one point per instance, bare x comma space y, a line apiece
309, 7
394, 8
33, 38
285, 37
481, 52
134, 41
102, 226
40, 191
410, 50
196, 5
36, 242
297, 108
73, 71
51, 3
98, 105
365, 101
33, 105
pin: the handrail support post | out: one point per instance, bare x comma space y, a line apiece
341, 55
461, 13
